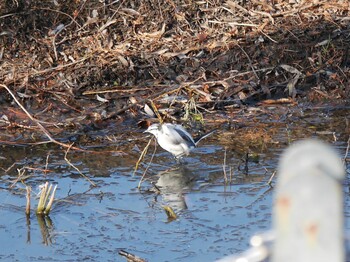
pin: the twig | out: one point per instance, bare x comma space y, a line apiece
10, 167
224, 166
347, 150
143, 153
121, 89
246, 161
28, 200
47, 162
20, 176
232, 23
270, 180
69, 163
269, 37
149, 163
60, 12
41, 127
29, 115
264, 14
155, 110
250, 63
231, 174
54, 47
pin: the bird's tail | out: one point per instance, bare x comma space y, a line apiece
198, 139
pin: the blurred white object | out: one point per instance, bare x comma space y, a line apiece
308, 221
308, 210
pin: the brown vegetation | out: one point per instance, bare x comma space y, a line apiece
78, 64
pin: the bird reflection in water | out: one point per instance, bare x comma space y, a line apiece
173, 184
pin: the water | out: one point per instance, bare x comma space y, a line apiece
214, 219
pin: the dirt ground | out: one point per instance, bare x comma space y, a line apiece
86, 65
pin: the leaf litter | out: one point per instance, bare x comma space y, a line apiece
86, 66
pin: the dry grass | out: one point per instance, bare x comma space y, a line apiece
85, 62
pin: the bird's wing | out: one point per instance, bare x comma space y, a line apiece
185, 135
177, 134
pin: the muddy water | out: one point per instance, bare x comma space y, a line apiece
214, 219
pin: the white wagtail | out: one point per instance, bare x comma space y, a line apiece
174, 138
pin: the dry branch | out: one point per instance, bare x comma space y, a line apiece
80, 49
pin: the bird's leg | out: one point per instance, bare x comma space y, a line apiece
180, 161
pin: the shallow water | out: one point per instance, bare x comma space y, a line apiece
214, 219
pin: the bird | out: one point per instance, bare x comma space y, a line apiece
174, 138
